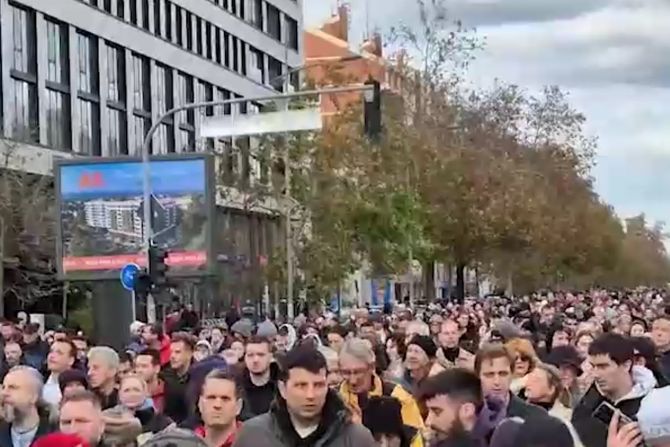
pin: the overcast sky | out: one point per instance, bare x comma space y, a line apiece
613, 56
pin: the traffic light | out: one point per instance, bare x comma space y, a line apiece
158, 267
373, 110
142, 284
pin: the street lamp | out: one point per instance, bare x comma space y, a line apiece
291, 203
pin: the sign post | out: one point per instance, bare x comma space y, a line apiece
128, 276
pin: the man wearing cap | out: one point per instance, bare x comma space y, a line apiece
420, 361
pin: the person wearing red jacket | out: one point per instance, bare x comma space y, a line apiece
220, 404
154, 338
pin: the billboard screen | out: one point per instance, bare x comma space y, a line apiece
102, 222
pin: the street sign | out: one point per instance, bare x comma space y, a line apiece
261, 123
128, 275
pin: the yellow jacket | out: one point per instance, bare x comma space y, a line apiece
411, 416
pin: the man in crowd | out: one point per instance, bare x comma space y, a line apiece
335, 337
450, 354
154, 338
22, 422
81, 343
148, 366
660, 333
259, 378
35, 349
357, 366
616, 381
176, 376
81, 414
220, 404
453, 399
103, 366
420, 360
13, 357
493, 366
61, 358
306, 412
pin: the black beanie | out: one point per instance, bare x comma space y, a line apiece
426, 343
72, 375
383, 415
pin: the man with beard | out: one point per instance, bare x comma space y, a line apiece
22, 422
454, 401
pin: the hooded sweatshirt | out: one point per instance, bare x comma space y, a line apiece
591, 431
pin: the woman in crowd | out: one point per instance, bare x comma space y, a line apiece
395, 350
544, 388
134, 398
525, 359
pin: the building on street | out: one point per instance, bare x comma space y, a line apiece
88, 78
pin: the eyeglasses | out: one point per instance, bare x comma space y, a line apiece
522, 358
353, 372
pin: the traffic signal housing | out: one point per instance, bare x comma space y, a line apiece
372, 110
158, 267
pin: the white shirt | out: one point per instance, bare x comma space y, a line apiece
51, 391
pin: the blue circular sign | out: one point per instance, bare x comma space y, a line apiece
128, 275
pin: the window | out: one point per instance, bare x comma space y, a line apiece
164, 139
291, 32
58, 86
198, 36
88, 98
274, 22
226, 49
179, 25
117, 139
107, 6
168, 20
133, 12
141, 99
208, 40
120, 9
274, 72
256, 69
157, 18
205, 93
186, 131
256, 13
218, 38
145, 15
189, 31
23, 89
236, 51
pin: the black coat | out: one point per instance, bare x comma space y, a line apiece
43, 429
176, 404
257, 399
523, 410
152, 422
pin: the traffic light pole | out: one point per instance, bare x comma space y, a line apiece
146, 145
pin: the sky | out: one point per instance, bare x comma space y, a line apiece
612, 56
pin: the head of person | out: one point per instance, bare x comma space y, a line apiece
62, 356
217, 336
335, 337
81, 414
282, 339
303, 383
7, 330
31, 333
435, 324
660, 333
333, 366
357, 365
148, 364
152, 334
453, 399
544, 385
524, 354
81, 344
416, 327
583, 340
395, 347
612, 357
125, 365
561, 337
135, 328
103, 366
182, 346
420, 354
383, 417
21, 390
493, 366
13, 353
638, 328
547, 313
220, 400
202, 350
133, 392
367, 328
72, 381
258, 355
239, 348
449, 335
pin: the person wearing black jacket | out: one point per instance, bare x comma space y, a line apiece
259, 378
176, 376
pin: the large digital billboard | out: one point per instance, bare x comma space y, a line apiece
102, 220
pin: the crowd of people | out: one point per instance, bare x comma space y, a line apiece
564, 370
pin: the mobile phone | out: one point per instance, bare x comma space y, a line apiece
605, 412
